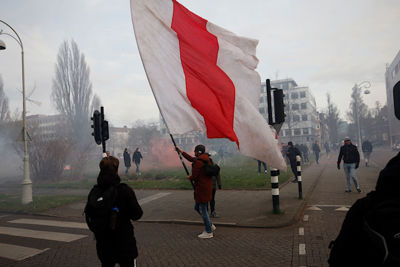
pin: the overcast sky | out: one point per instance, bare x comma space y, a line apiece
326, 45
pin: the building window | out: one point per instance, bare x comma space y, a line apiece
295, 107
305, 131
294, 96
302, 94
287, 132
262, 110
303, 105
296, 117
262, 88
304, 117
297, 132
261, 99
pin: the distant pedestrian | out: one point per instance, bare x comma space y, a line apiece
110, 220
127, 160
327, 149
304, 151
216, 181
351, 161
370, 232
316, 150
137, 156
367, 150
202, 186
259, 162
291, 154
221, 156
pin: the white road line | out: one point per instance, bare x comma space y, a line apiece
332, 206
65, 224
302, 249
313, 208
152, 197
305, 218
55, 236
301, 231
18, 253
342, 209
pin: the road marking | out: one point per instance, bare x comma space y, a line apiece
55, 236
301, 231
330, 206
302, 249
18, 253
305, 218
342, 209
152, 197
65, 224
314, 208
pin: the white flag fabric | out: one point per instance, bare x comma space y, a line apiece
203, 77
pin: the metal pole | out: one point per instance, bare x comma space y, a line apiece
27, 182
358, 127
299, 181
275, 190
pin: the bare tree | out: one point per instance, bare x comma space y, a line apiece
357, 108
141, 135
332, 120
4, 108
72, 90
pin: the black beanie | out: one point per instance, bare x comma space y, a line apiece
290, 143
200, 148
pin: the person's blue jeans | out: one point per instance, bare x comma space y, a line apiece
137, 167
317, 157
259, 166
201, 208
350, 171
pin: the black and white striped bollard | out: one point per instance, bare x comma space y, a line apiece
275, 190
299, 181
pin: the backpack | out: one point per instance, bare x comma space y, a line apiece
382, 226
100, 212
211, 169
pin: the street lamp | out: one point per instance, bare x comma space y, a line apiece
360, 86
27, 182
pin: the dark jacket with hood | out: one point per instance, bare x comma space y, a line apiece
121, 243
127, 158
349, 153
202, 183
349, 248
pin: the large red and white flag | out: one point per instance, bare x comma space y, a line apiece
203, 77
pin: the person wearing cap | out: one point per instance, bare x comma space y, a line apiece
351, 161
203, 186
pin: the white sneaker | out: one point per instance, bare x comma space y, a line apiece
213, 227
206, 235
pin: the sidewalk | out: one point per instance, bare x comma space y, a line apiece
248, 208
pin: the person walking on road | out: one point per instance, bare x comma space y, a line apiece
137, 156
316, 149
367, 150
117, 244
127, 160
351, 161
291, 154
327, 149
202, 186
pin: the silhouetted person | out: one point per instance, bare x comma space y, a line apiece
291, 154
351, 161
127, 160
316, 149
367, 150
137, 156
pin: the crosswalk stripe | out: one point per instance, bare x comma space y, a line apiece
152, 197
18, 253
65, 224
55, 236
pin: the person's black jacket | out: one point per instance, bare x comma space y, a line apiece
366, 146
127, 158
291, 153
349, 248
315, 148
137, 156
349, 153
121, 243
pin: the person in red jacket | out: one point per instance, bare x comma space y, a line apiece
202, 186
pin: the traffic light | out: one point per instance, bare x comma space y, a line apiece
279, 107
97, 129
396, 100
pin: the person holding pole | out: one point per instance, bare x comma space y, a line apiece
202, 186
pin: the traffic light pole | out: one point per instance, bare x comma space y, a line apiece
103, 141
100, 128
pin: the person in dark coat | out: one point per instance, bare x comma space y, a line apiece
202, 186
137, 156
367, 150
316, 149
127, 160
351, 161
352, 246
291, 154
216, 181
118, 246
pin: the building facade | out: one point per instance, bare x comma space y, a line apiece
392, 76
301, 124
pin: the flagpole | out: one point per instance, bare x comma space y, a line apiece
158, 105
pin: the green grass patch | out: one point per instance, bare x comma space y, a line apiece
12, 203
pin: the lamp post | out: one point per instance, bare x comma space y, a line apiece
27, 182
360, 86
